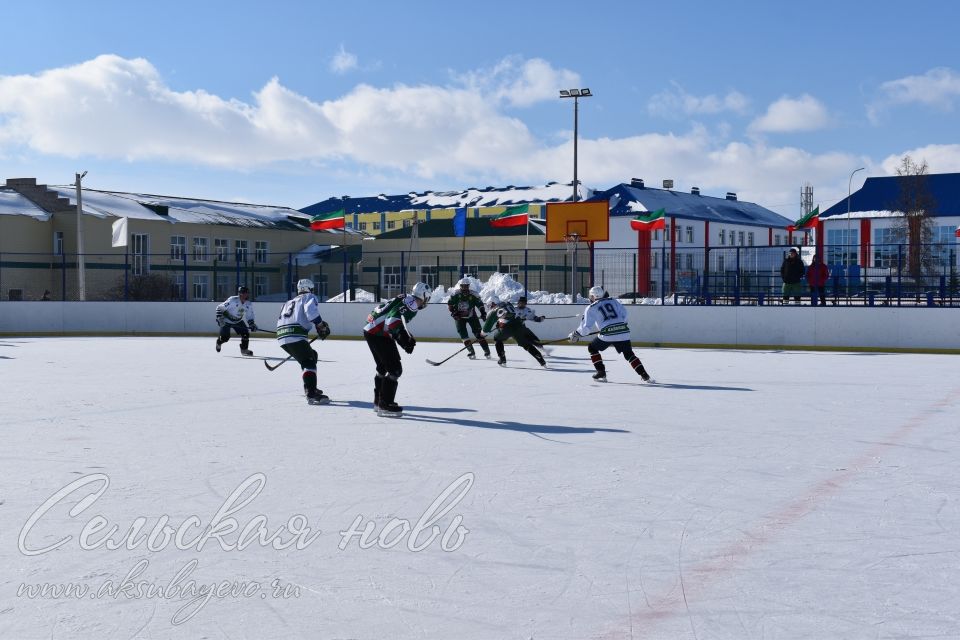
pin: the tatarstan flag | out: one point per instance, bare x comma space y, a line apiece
649, 221
332, 220
808, 221
512, 217
957, 232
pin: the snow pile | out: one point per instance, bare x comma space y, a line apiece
505, 287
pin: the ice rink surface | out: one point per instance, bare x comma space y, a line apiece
747, 494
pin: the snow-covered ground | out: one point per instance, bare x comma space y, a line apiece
748, 494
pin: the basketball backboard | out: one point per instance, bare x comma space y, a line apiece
590, 221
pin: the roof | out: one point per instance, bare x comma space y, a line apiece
628, 200
880, 194
472, 197
142, 206
476, 227
14, 204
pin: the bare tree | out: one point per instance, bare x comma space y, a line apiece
915, 228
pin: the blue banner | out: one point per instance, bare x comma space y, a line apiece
460, 222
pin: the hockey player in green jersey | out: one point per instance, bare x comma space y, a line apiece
464, 306
502, 324
386, 328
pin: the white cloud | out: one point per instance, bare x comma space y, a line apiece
343, 61
673, 102
938, 88
787, 114
122, 109
519, 82
941, 158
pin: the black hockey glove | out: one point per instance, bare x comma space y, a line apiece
323, 330
220, 318
406, 341
538, 318
252, 325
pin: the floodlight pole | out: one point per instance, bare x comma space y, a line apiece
849, 185
81, 263
576, 94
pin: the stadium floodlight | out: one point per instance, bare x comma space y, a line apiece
576, 94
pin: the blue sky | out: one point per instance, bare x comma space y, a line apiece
288, 103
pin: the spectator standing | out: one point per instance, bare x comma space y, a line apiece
817, 276
791, 272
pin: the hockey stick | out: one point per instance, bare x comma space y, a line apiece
463, 348
274, 367
560, 317
592, 333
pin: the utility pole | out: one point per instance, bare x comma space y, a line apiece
81, 263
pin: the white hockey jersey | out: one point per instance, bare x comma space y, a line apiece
609, 317
527, 313
297, 317
234, 311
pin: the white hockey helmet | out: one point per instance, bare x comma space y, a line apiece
596, 292
305, 285
463, 283
421, 290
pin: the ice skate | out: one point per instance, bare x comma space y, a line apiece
600, 376
502, 362
316, 397
472, 356
391, 410
218, 345
643, 374
245, 352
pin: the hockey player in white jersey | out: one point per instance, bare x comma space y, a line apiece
296, 319
608, 316
236, 313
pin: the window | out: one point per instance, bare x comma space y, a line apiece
222, 247
240, 250
223, 287
407, 223
391, 279
376, 226
261, 251
512, 269
750, 238
363, 226
260, 285
842, 246
886, 248
140, 249
471, 270
689, 234
391, 224
429, 275
720, 262
58, 243
201, 249
178, 285
201, 287
740, 237
723, 237
776, 239
178, 247
656, 234
654, 261
689, 262
944, 252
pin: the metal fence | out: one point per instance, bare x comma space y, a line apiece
691, 276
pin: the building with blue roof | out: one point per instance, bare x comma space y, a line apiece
864, 230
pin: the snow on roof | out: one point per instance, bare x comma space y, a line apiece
14, 204
104, 204
472, 197
630, 200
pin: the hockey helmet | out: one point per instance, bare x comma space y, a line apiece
463, 283
243, 289
494, 300
421, 290
596, 292
305, 285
